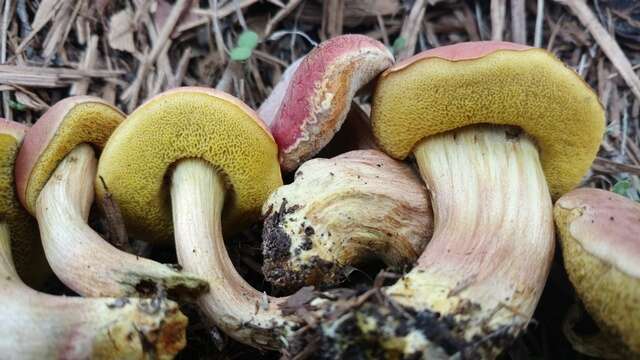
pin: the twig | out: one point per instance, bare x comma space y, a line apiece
181, 69
537, 40
498, 12
612, 167
132, 94
281, 14
608, 44
6, 95
411, 28
80, 87
518, 22
332, 18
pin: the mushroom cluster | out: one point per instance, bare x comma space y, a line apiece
498, 132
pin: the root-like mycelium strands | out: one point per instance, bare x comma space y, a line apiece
341, 212
41, 326
97, 269
478, 282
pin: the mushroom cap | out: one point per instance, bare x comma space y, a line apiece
498, 83
316, 93
599, 233
188, 122
26, 248
68, 123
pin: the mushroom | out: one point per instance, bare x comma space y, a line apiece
497, 130
599, 234
206, 150
42, 326
340, 212
28, 255
55, 170
308, 106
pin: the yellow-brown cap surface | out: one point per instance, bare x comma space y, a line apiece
495, 83
599, 233
188, 123
68, 123
26, 247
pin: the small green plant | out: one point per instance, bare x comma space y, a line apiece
247, 41
398, 44
17, 106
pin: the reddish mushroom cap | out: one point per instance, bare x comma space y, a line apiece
70, 122
317, 92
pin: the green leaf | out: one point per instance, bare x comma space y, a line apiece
622, 187
17, 106
248, 39
399, 44
240, 53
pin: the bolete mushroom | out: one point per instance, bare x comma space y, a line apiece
185, 155
55, 171
497, 130
308, 106
600, 238
42, 326
28, 255
340, 212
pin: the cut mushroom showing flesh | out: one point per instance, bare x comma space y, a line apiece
55, 172
340, 212
600, 239
309, 105
42, 326
497, 130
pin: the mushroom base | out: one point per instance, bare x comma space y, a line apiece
41, 326
343, 212
476, 286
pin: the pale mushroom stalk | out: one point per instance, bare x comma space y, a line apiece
80, 257
493, 224
197, 199
41, 326
498, 130
55, 170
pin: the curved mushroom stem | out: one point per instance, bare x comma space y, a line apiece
476, 285
41, 326
197, 199
82, 259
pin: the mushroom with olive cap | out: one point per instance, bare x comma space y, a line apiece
308, 106
497, 130
55, 170
26, 247
599, 234
215, 152
42, 326
340, 212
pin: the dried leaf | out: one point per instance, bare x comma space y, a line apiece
121, 31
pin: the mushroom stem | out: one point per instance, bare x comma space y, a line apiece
41, 326
82, 259
197, 200
493, 240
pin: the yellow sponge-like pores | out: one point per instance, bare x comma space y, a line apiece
26, 248
188, 123
65, 125
530, 89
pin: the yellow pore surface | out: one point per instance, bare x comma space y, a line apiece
137, 160
530, 89
26, 248
87, 122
